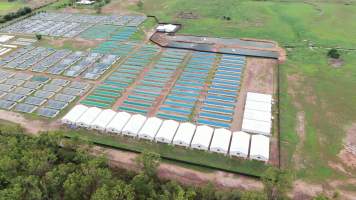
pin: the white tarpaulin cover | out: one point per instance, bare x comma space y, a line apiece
167, 131
88, 117
134, 125
240, 144
257, 115
259, 148
118, 122
221, 141
252, 96
150, 128
258, 127
73, 115
202, 137
184, 134
103, 120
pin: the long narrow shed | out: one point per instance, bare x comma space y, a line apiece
167, 131
88, 117
150, 128
221, 141
118, 122
259, 149
134, 125
184, 134
71, 117
240, 144
103, 120
202, 137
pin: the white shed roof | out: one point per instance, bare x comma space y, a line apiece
257, 105
167, 131
240, 144
134, 125
184, 134
252, 96
257, 115
150, 128
74, 114
118, 122
258, 127
202, 137
221, 140
103, 119
259, 147
88, 117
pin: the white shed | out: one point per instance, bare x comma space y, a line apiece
134, 125
252, 96
257, 115
221, 141
150, 128
257, 127
259, 149
202, 137
103, 120
88, 117
167, 131
240, 144
71, 117
118, 122
257, 105
184, 134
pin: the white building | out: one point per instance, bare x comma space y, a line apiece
167, 131
150, 128
259, 149
257, 115
166, 28
118, 122
184, 134
252, 96
88, 117
103, 120
134, 125
73, 115
240, 144
221, 141
257, 105
257, 127
202, 137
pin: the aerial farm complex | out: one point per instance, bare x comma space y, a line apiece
204, 94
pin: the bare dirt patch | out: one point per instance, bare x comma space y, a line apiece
187, 15
300, 129
336, 62
348, 154
118, 7
77, 43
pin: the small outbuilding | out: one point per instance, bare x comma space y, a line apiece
150, 128
103, 120
88, 117
167, 131
221, 141
134, 125
73, 115
257, 127
118, 122
202, 137
240, 144
184, 134
259, 149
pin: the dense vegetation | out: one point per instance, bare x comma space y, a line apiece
12, 15
50, 167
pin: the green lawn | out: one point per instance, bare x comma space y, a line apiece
326, 94
6, 7
190, 157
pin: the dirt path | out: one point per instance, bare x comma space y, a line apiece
183, 175
31, 126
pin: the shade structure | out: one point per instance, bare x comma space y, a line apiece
103, 120
259, 149
257, 127
118, 122
202, 137
252, 96
167, 131
257, 115
150, 128
256, 105
73, 115
240, 144
134, 125
184, 134
221, 141
88, 117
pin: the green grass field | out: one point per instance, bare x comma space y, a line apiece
6, 7
308, 83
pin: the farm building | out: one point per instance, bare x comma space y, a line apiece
134, 125
184, 134
240, 144
88, 117
73, 115
167, 131
259, 149
118, 122
150, 128
202, 137
221, 141
103, 120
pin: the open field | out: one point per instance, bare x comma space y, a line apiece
6, 7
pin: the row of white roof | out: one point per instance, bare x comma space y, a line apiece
257, 118
170, 132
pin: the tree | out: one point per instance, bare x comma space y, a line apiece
38, 36
276, 183
117, 191
334, 53
140, 4
149, 162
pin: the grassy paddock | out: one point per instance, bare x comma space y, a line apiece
187, 156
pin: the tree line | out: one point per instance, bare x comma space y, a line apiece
13, 15
49, 167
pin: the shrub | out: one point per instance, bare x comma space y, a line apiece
334, 53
